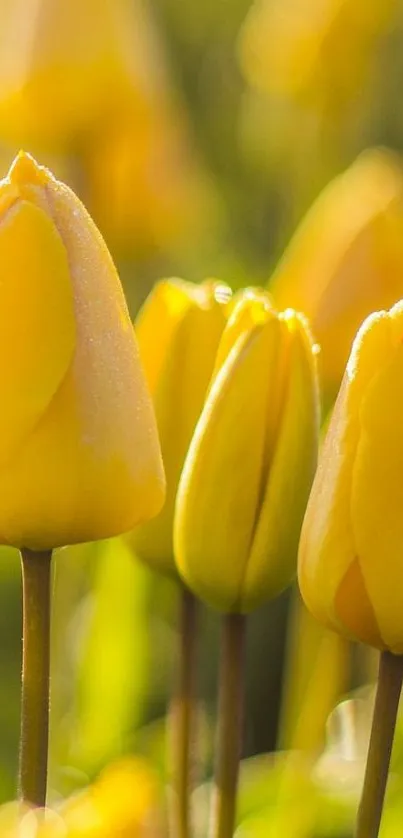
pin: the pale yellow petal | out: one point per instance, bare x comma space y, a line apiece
329, 544
185, 362
221, 482
37, 327
251, 306
346, 258
354, 609
91, 467
63, 66
156, 323
376, 495
273, 557
326, 547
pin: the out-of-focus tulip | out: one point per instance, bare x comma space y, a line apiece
124, 802
178, 329
346, 259
293, 47
313, 68
350, 566
65, 65
79, 451
250, 465
315, 676
148, 154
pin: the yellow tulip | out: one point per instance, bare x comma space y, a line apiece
178, 330
306, 63
79, 451
350, 557
65, 65
138, 155
346, 259
250, 465
124, 801
298, 48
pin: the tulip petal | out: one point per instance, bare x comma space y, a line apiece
63, 67
326, 547
346, 258
329, 542
354, 609
37, 327
221, 481
376, 498
272, 561
169, 302
91, 468
252, 307
178, 368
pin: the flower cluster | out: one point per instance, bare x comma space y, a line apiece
191, 437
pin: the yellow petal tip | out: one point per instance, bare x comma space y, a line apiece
25, 170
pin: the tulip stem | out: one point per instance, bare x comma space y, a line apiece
182, 717
380, 746
36, 571
229, 725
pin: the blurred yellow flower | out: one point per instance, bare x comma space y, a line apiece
346, 258
123, 803
147, 191
146, 187
250, 465
79, 451
350, 567
89, 78
65, 65
315, 50
178, 330
314, 69
11, 815
316, 675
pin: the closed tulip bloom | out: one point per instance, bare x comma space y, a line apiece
178, 330
346, 258
138, 155
65, 66
250, 465
79, 451
298, 48
350, 557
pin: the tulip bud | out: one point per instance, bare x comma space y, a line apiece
178, 329
138, 155
297, 49
79, 452
250, 465
346, 259
350, 554
65, 66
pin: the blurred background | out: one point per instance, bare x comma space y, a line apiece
257, 142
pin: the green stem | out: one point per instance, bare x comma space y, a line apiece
182, 717
229, 726
380, 745
36, 569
